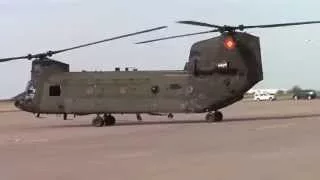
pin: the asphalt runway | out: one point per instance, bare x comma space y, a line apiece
257, 140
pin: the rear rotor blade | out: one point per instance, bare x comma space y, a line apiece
178, 36
197, 23
281, 25
242, 27
109, 39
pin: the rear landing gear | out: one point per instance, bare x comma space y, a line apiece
65, 116
139, 118
217, 116
109, 120
170, 116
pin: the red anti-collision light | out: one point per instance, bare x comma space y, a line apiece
229, 43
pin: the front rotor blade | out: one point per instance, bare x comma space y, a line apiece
50, 53
110, 39
13, 58
173, 37
281, 25
197, 23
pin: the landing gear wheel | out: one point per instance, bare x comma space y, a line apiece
210, 117
214, 117
218, 116
170, 116
98, 121
139, 118
109, 120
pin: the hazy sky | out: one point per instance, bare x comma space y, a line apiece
290, 55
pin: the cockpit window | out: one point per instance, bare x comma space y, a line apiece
30, 91
29, 85
54, 90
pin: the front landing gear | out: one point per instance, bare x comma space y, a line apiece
217, 116
98, 121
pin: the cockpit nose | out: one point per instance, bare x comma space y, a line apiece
23, 103
25, 100
17, 103
18, 99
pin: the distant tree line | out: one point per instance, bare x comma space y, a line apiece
294, 89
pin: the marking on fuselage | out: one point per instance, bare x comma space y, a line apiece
90, 90
189, 90
123, 90
202, 96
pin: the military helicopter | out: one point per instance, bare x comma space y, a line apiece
220, 70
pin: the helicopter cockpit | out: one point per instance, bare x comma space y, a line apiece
25, 100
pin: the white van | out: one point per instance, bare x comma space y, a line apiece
264, 97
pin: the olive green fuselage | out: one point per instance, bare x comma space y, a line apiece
129, 92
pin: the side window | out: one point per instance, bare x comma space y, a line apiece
54, 90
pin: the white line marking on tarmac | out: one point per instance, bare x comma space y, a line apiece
276, 126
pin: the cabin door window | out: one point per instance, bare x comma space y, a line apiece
54, 90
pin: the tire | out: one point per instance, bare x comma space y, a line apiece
214, 117
218, 116
110, 120
98, 122
210, 117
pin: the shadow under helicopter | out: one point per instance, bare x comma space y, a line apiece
179, 122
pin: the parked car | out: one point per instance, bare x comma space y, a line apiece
264, 97
305, 94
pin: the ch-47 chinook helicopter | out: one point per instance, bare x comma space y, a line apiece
219, 72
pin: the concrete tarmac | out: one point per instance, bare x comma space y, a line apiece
257, 140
